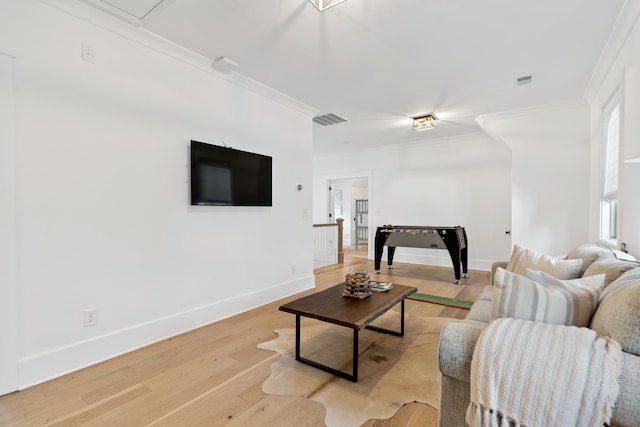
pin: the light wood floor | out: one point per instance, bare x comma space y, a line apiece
212, 376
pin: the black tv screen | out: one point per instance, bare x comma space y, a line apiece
222, 176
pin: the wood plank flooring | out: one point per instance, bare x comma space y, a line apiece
212, 376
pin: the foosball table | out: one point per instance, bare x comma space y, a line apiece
453, 239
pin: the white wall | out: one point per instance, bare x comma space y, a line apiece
618, 70
550, 173
102, 190
459, 181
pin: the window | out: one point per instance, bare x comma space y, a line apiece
609, 202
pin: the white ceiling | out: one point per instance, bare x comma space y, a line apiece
378, 63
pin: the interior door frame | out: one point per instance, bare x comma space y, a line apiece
368, 175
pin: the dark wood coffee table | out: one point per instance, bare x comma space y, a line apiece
330, 306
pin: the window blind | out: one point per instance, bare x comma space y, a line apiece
612, 153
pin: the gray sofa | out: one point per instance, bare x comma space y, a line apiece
617, 316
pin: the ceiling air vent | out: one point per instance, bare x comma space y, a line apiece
329, 119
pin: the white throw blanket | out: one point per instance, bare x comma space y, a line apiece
532, 374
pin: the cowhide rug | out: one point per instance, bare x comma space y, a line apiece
392, 370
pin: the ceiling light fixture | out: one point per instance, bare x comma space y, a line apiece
325, 4
425, 122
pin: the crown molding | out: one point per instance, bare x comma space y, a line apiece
622, 29
130, 28
485, 120
531, 111
393, 147
114, 11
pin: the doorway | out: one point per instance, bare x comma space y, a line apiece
349, 198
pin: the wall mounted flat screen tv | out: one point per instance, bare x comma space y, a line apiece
222, 176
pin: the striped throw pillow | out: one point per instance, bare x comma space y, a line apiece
563, 302
523, 258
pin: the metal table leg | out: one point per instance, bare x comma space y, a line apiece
353, 376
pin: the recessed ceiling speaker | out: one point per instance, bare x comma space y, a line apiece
224, 64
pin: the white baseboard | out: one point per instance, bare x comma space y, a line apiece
439, 261
41, 367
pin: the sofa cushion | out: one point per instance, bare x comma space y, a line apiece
486, 294
570, 302
522, 258
588, 253
611, 267
618, 314
480, 312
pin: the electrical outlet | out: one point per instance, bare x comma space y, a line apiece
91, 317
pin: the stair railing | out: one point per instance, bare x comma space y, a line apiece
327, 244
